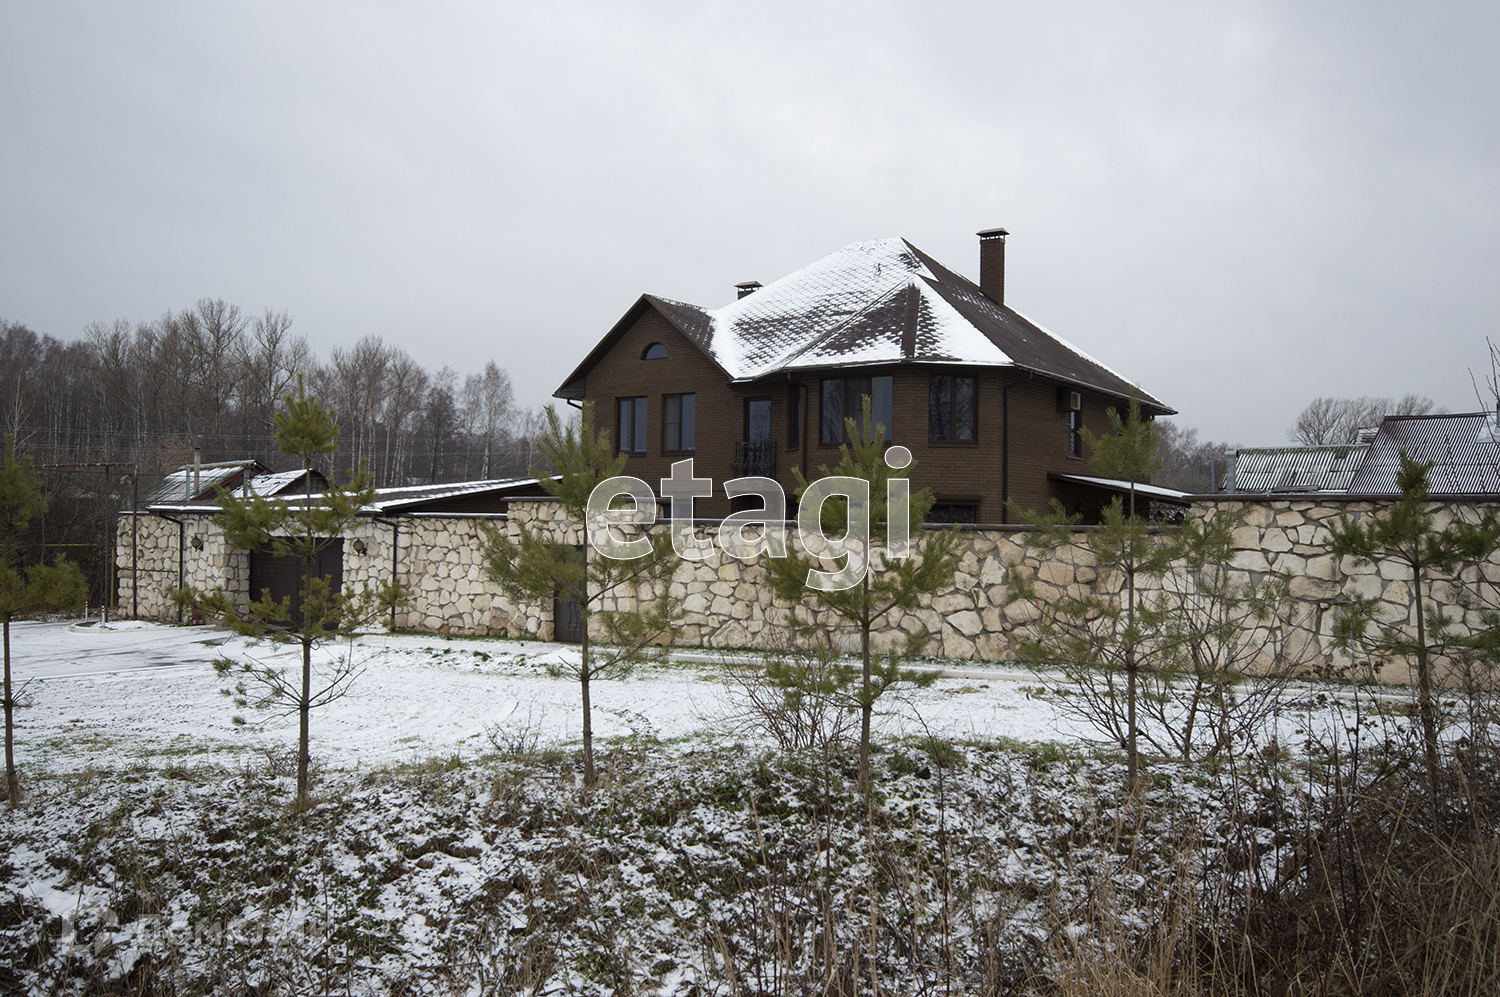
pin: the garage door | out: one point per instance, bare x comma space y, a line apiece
283, 574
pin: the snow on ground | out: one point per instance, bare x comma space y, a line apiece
119, 693
155, 846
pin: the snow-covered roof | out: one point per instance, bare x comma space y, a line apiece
273, 483
1121, 485
387, 500
878, 302
178, 486
394, 499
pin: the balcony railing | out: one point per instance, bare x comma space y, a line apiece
756, 459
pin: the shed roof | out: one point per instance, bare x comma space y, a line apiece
1296, 469
1463, 449
178, 487
393, 500
388, 501
870, 303
1124, 486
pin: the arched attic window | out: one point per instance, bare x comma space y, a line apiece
655, 351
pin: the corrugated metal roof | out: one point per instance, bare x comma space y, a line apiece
877, 302
1462, 449
1296, 469
178, 486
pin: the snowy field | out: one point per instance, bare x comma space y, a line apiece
129, 692
156, 848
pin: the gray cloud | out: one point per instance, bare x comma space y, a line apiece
1243, 207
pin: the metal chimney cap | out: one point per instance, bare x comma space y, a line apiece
992, 233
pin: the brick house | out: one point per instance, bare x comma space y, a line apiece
989, 403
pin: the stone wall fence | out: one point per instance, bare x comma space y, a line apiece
728, 604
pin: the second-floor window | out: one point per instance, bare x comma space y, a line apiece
843, 399
952, 409
793, 416
632, 429
758, 420
1075, 434
679, 421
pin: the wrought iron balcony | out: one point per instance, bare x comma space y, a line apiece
756, 459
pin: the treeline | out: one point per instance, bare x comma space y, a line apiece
212, 375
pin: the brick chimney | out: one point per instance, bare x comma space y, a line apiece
992, 264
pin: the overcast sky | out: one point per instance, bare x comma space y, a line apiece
1240, 206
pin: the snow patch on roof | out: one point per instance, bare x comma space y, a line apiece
394, 498
760, 332
270, 484
1122, 485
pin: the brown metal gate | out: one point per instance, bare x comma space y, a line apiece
567, 614
282, 575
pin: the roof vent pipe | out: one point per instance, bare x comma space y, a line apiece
197, 465
747, 287
992, 264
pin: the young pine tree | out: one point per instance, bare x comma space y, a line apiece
302, 529
1098, 637
536, 566
28, 588
1408, 536
887, 583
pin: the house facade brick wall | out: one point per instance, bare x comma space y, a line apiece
984, 470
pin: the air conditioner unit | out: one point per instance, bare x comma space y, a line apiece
1069, 401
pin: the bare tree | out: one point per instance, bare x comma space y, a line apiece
406, 389
1491, 380
359, 385
112, 363
1331, 421
20, 359
216, 341
1187, 464
489, 412
272, 360
439, 421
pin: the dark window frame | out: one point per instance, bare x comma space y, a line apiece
850, 392
770, 405
794, 393
946, 510
637, 427
685, 423
1073, 444
945, 422
649, 354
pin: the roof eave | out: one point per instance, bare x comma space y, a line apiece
1149, 405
